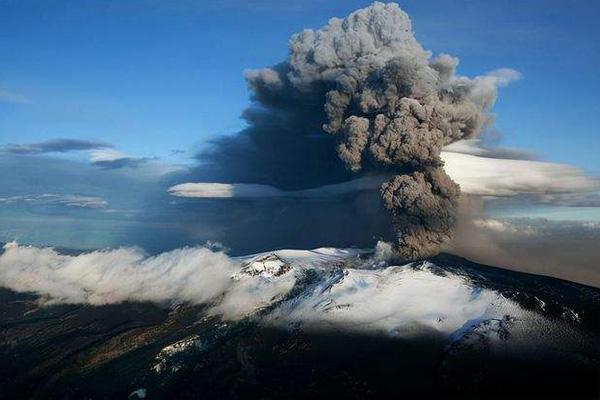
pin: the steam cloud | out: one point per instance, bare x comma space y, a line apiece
193, 275
391, 108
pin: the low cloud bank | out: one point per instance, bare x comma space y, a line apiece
358, 299
193, 275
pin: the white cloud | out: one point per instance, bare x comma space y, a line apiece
245, 190
500, 177
110, 158
195, 275
224, 190
107, 155
503, 76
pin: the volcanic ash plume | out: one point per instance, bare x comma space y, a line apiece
391, 108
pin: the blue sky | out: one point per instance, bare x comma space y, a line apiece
152, 77
151, 82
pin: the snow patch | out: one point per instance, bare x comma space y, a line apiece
397, 301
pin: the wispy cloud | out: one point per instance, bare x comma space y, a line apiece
140, 167
574, 200
101, 155
503, 76
69, 200
113, 159
54, 146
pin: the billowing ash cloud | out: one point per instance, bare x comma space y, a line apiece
54, 146
363, 88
